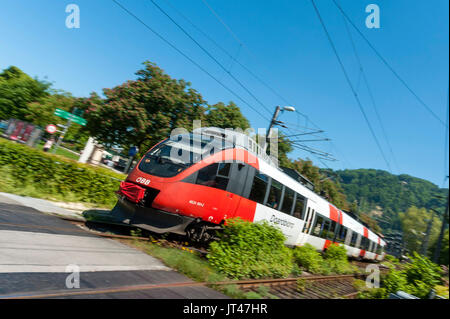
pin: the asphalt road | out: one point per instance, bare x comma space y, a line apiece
38, 253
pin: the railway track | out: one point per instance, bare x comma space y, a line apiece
319, 287
304, 287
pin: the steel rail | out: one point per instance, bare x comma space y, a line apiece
241, 283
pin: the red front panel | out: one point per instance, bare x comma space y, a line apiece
208, 203
246, 210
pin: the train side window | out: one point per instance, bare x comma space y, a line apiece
299, 210
359, 242
214, 175
318, 226
332, 230
308, 220
341, 234
288, 201
379, 249
354, 239
275, 193
259, 187
325, 228
364, 244
224, 170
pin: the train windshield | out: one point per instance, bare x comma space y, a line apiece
173, 156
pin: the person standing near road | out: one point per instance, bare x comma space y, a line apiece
48, 144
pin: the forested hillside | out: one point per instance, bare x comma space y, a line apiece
383, 195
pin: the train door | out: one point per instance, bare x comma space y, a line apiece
236, 187
309, 217
211, 195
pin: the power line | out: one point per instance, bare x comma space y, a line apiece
242, 44
331, 141
201, 68
227, 71
210, 55
187, 57
223, 23
390, 67
350, 84
248, 50
233, 59
374, 105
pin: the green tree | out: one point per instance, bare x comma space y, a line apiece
17, 91
324, 184
226, 116
142, 112
414, 225
444, 254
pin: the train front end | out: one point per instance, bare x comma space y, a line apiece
155, 195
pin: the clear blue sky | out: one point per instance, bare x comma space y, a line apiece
284, 44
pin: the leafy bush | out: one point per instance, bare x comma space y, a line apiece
391, 259
336, 252
441, 291
250, 250
335, 259
51, 176
394, 281
365, 292
373, 293
422, 274
417, 278
309, 258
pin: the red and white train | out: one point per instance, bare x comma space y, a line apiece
191, 183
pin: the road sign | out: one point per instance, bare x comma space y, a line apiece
51, 128
70, 116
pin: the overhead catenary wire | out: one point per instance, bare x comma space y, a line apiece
362, 74
215, 60
211, 56
233, 58
389, 66
350, 84
204, 70
188, 58
242, 44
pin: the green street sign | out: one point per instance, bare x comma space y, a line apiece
70, 116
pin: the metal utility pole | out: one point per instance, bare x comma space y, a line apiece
274, 121
61, 137
437, 251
